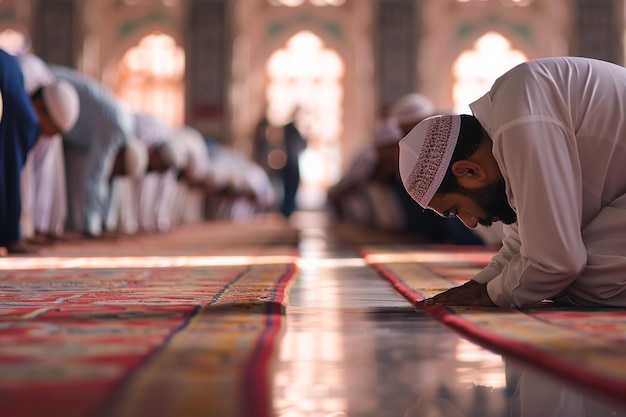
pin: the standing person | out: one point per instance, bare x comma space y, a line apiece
544, 152
277, 150
294, 144
24, 119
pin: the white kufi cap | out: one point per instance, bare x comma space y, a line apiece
425, 154
387, 133
411, 108
62, 104
135, 158
174, 154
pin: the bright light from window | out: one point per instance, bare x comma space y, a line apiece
307, 76
475, 70
151, 78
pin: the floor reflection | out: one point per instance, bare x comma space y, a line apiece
353, 347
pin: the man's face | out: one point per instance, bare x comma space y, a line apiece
473, 206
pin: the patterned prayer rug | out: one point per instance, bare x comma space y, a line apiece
182, 323
583, 346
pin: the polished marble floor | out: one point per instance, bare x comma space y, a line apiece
353, 347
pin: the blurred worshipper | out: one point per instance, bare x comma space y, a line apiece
139, 204
277, 149
189, 202
386, 192
544, 153
237, 187
47, 112
166, 159
349, 197
408, 111
44, 195
101, 146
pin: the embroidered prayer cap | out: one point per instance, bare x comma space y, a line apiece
411, 108
62, 104
425, 154
387, 133
135, 158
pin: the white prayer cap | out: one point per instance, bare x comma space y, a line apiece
61, 102
135, 158
411, 108
197, 168
387, 133
425, 154
174, 154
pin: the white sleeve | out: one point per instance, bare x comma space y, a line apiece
510, 246
35, 71
540, 164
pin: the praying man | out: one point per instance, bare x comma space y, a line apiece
544, 152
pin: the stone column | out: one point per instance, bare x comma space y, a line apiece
55, 35
396, 49
599, 30
206, 67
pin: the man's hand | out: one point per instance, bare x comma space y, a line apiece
469, 294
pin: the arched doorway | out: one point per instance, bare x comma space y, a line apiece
150, 78
305, 79
476, 69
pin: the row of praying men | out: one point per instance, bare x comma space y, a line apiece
76, 161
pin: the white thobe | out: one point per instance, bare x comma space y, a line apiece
43, 187
189, 210
152, 194
558, 128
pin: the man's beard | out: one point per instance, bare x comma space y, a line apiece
492, 200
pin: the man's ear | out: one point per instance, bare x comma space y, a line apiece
469, 174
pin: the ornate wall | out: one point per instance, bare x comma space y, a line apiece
450, 27
389, 47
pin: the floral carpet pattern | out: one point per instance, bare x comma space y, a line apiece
179, 323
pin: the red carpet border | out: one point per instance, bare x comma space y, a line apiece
182, 323
586, 347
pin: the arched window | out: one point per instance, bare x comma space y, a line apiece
476, 69
150, 78
307, 76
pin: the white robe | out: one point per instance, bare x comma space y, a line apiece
152, 132
44, 195
558, 127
